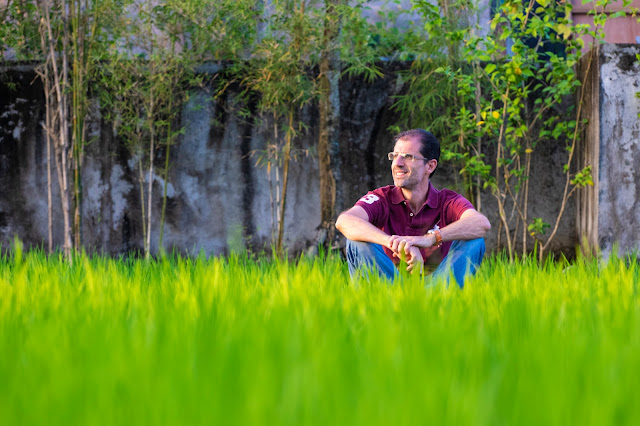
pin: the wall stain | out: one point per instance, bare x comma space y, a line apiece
219, 121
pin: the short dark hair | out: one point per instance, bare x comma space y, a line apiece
429, 145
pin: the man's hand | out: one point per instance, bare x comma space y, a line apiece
425, 241
471, 225
415, 262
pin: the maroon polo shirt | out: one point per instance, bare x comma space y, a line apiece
389, 211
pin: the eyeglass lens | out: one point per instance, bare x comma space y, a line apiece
405, 157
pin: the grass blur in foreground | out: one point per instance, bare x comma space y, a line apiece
240, 341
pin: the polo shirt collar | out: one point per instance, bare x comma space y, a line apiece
433, 196
396, 196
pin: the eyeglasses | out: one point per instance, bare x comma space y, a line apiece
406, 157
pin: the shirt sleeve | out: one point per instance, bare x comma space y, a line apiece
376, 206
455, 206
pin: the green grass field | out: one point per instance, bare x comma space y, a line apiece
252, 342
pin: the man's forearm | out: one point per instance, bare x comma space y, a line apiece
358, 229
469, 227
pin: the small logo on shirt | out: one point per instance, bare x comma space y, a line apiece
370, 198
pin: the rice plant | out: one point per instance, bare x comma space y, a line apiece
248, 341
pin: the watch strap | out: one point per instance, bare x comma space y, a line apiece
438, 235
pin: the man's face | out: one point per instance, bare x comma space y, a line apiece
408, 174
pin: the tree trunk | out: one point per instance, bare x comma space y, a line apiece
151, 114
49, 133
166, 177
329, 128
49, 181
142, 203
57, 78
285, 181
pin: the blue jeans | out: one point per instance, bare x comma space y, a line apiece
463, 259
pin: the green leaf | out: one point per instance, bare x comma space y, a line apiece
564, 30
538, 227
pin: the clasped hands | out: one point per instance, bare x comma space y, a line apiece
410, 246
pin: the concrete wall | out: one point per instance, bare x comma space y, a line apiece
609, 213
218, 200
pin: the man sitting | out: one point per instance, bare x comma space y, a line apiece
431, 227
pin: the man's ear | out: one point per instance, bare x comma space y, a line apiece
431, 165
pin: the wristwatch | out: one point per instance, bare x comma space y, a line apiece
436, 233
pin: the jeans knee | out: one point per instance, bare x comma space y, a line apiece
355, 248
362, 254
470, 245
478, 245
359, 252
357, 245
472, 249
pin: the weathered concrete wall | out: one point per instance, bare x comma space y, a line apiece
20, 176
218, 200
609, 213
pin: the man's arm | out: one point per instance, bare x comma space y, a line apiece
470, 226
354, 224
